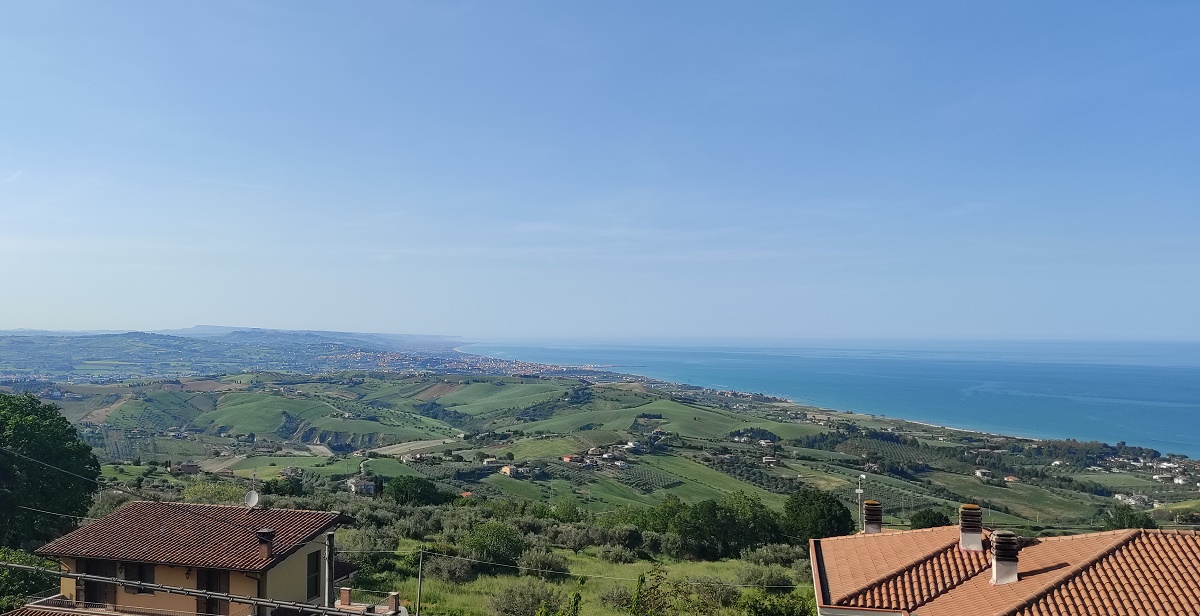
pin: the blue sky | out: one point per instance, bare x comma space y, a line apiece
624, 170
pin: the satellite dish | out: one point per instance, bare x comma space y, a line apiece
251, 499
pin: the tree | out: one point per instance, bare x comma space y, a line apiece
29, 427
566, 509
284, 486
16, 584
928, 518
813, 514
749, 522
414, 491
494, 542
1123, 516
700, 529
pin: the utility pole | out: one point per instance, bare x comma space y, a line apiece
420, 578
859, 492
329, 572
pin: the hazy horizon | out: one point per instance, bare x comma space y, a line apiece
675, 171
897, 342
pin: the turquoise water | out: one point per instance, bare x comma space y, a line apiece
1145, 394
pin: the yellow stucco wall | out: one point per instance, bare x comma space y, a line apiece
167, 576
67, 585
288, 581
242, 584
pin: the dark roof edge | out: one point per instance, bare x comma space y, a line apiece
820, 583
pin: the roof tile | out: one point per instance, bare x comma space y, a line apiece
1125, 572
191, 535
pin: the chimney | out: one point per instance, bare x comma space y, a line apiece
344, 597
393, 603
266, 538
1005, 545
970, 524
872, 517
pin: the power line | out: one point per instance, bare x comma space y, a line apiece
238, 526
65, 515
178, 506
255, 601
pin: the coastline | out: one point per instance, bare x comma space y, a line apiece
653, 381
1046, 422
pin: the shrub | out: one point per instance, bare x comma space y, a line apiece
652, 542
713, 591
617, 554
774, 554
616, 598
762, 604
453, 570
540, 562
773, 577
625, 535
526, 598
494, 542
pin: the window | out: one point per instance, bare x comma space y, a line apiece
215, 580
314, 574
139, 572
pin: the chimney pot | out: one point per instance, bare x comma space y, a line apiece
1005, 545
872, 517
970, 524
266, 539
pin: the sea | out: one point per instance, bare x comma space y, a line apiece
1142, 393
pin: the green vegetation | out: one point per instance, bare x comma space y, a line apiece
34, 435
15, 584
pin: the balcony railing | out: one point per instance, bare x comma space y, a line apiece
59, 602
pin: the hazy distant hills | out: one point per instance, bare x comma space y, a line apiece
207, 350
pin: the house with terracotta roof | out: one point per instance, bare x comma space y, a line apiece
973, 571
276, 554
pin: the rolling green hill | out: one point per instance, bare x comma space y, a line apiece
686, 445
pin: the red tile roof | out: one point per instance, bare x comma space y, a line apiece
211, 536
1126, 572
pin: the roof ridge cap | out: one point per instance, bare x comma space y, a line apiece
891, 532
897, 571
1053, 583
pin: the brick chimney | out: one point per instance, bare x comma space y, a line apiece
266, 541
872, 517
970, 524
1005, 546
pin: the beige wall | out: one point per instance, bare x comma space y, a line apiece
167, 576
67, 585
245, 585
288, 581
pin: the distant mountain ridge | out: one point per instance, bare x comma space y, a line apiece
208, 350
